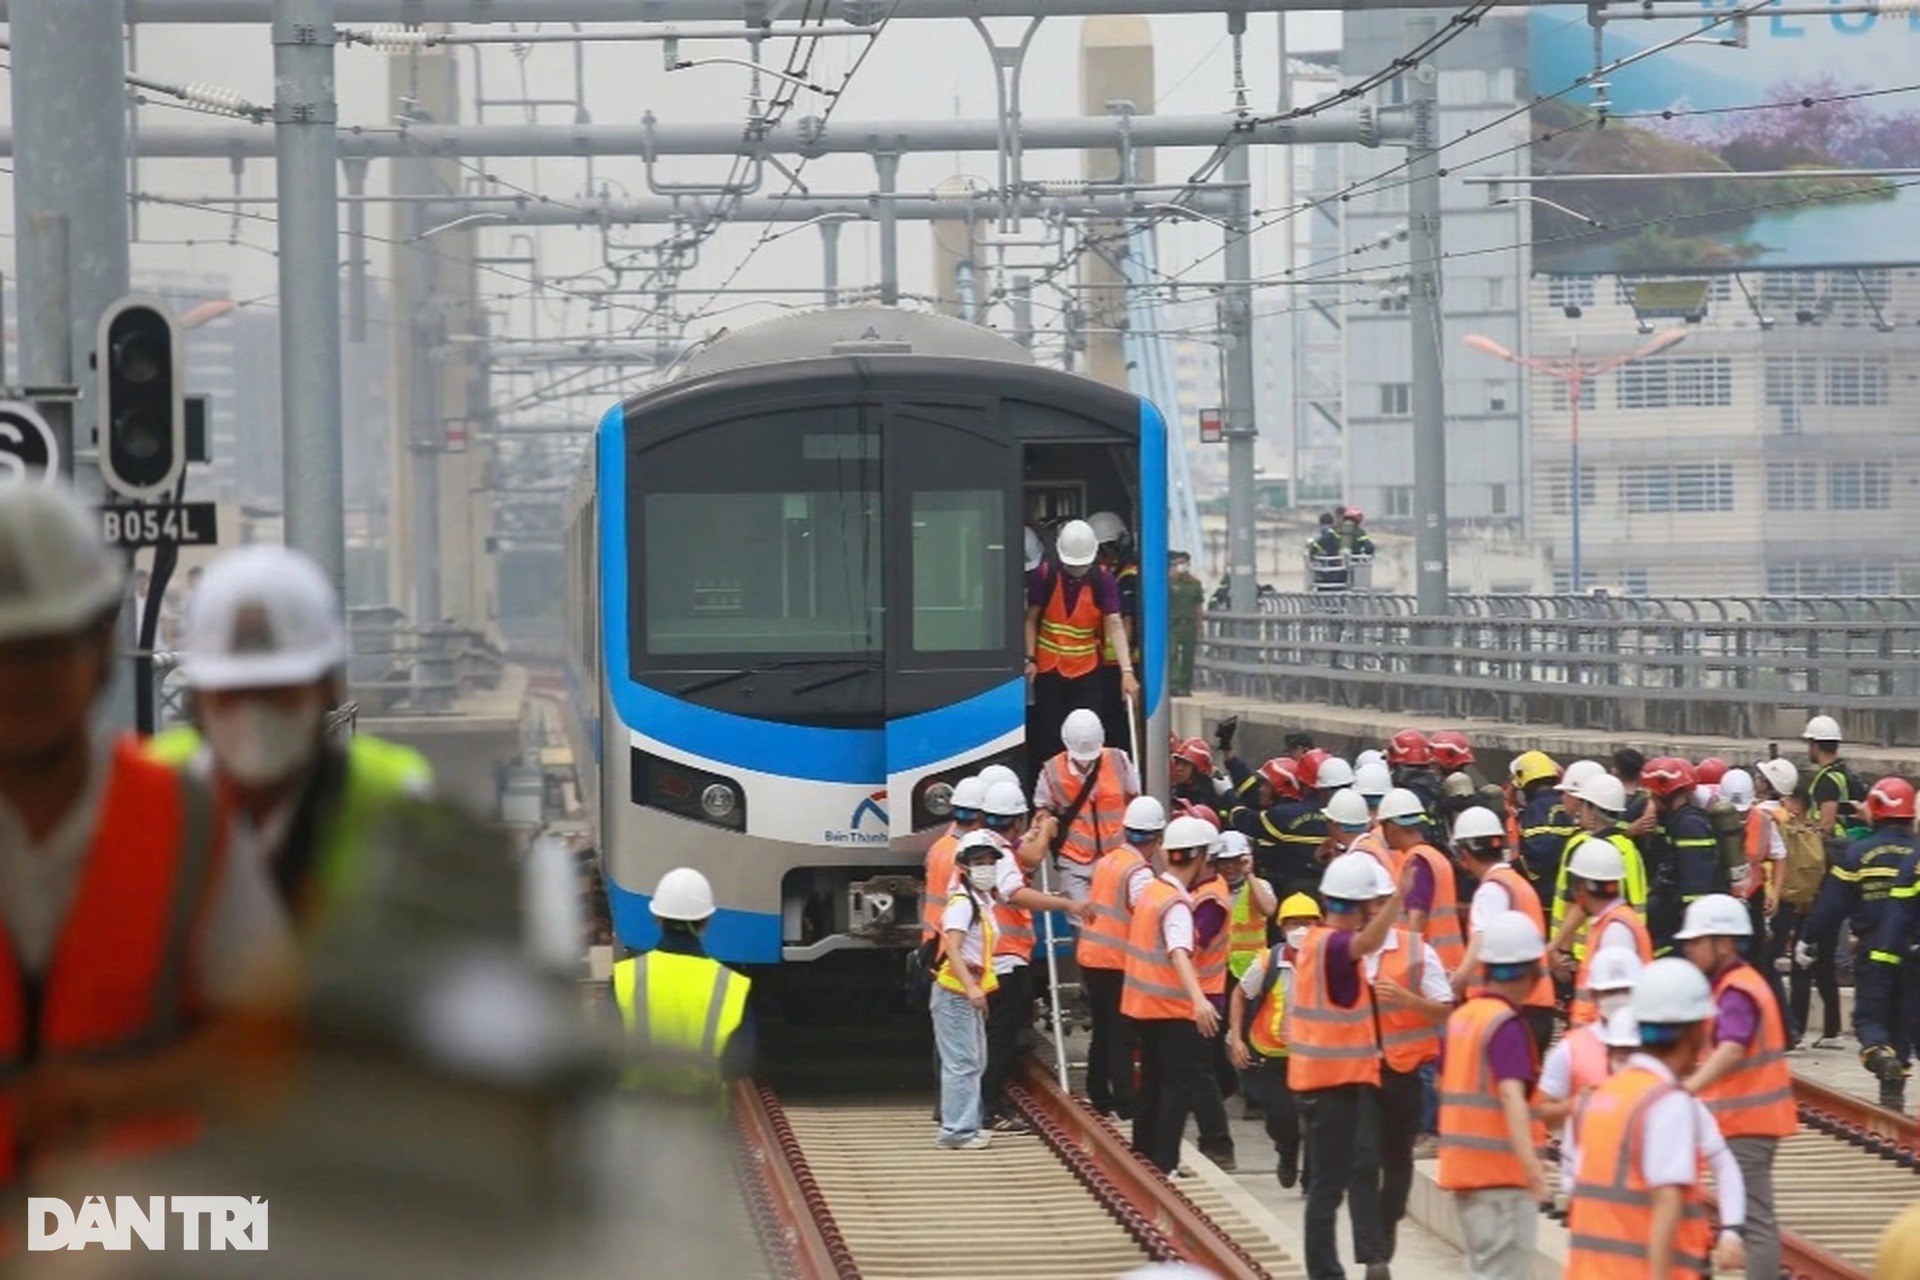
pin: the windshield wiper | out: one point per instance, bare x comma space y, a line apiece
727, 677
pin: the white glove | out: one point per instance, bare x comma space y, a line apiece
1222, 785
1803, 954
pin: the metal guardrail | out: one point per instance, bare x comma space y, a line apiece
1735, 666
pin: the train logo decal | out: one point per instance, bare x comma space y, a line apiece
856, 832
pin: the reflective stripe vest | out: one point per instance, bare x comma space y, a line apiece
680, 1011
1442, 932
1068, 640
1013, 929
1328, 1046
1152, 987
939, 881
1610, 1215
1634, 887
119, 982
1759, 845
1266, 1024
1475, 1150
1755, 1099
989, 939
1100, 825
1583, 1009
1210, 958
1107, 655
1103, 943
1407, 1039
1520, 893
1374, 844
1246, 930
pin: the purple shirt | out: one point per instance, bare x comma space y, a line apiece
1343, 971
1737, 1020
1510, 1052
1420, 896
1209, 918
1106, 591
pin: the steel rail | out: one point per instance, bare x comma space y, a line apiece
791, 1215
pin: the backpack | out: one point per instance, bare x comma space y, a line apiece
1806, 864
1730, 839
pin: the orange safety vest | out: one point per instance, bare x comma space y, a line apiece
1442, 932
1101, 823
1210, 958
119, 983
1523, 898
1266, 1026
1759, 843
1013, 928
989, 980
1102, 944
1475, 1150
1406, 1038
1610, 1216
1372, 842
1755, 1099
1584, 1008
1068, 640
1327, 1045
939, 881
1246, 932
1152, 988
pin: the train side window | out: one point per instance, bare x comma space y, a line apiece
959, 570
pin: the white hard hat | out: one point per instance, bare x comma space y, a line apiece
1334, 773
998, 773
1602, 791
1622, 1030
1382, 880
1373, 779
262, 617
1671, 991
1189, 832
1511, 938
1005, 800
1107, 526
1717, 915
1347, 808
1367, 757
1736, 788
1822, 729
683, 893
55, 574
1477, 823
1595, 859
1613, 969
1400, 805
1077, 545
1579, 772
1035, 550
1781, 775
978, 840
1349, 878
1144, 813
1083, 735
1231, 844
970, 792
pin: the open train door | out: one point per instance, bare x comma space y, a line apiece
955, 682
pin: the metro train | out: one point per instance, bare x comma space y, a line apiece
796, 601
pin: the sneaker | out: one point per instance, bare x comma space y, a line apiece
1426, 1147
1009, 1124
973, 1143
1222, 1160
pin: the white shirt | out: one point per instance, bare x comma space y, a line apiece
1137, 881
1489, 900
1176, 924
1043, 797
1256, 976
1556, 1082
1678, 1131
1618, 933
1433, 976
1776, 843
963, 914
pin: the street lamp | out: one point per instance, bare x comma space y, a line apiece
1574, 373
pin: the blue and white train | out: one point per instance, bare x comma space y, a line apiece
796, 600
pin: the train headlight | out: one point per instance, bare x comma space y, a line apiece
938, 799
719, 801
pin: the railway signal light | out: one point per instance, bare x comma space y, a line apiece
1213, 427
141, 403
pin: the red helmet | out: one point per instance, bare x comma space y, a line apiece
1308, 766
1283, 775
1409, 746
1207, 812
1197, 753
1664, 775
1450, 748
1354, 514
1890, 798
1710, 771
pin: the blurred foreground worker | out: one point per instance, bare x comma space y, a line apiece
1119, 879
1898, 1256
1579, 1061
1071, 607
1638, 1211
1487, 1156
1333, 1067
1479, 841
1257, 1039
1087, 787
1163, 997
1743, 1075
1186, 603
265, 657
1596, 881
687, 1013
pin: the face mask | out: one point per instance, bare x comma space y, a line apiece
1611, 1002
256, 743
982, 877
1234, 879
1297, 936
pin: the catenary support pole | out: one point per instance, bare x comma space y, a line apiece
887, 165
830, 262
307, 173
1429, 377
1236, 331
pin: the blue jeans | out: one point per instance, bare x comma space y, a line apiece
960, 1033
1429, 1098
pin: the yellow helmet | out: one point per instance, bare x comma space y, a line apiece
1298, 906
1532, 766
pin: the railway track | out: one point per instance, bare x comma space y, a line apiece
1840, 1181
840, 1190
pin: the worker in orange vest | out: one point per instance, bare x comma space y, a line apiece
1480, 842
1487, 1155
1433, 898
968, 795
1333, 1066
1072, 606
1638, 1211
1596, 876
1579, 1060
1163, 997
1743, 1077
1087, 787
137, 966
1212, 894
1119, 878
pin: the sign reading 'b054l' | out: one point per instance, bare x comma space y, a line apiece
29, 454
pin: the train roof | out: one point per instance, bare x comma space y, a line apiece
852, 331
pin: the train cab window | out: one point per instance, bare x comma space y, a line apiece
959, 570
